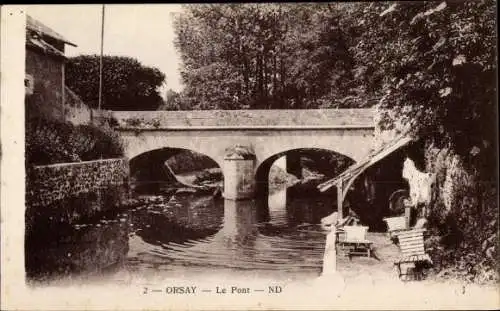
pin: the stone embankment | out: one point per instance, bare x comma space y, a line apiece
62, 197
51, 183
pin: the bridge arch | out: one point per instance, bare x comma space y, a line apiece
350, 143
331, 162
140, 142
152, 167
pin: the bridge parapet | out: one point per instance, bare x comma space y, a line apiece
247, 119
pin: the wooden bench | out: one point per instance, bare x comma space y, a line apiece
413, 259
395, 225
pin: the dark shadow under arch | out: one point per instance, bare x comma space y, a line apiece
150, 170
327, 162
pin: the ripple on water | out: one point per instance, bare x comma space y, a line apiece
192, 233
264, 246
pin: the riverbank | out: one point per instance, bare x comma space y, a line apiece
212, 177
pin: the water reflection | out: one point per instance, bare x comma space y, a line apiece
93, 247
180, 219
239, 229
276, 204
288, 239
184, 231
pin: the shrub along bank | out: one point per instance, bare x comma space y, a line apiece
67, 183
189, 161
50, 141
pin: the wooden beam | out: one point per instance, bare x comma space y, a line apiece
342, 189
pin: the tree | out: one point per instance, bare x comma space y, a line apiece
127, 84
433, 64
263, 56
172, 101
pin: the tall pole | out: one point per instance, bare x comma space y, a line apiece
100, 59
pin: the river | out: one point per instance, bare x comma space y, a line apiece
199, 240
191, 234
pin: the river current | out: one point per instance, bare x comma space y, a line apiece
224, 234
189, 235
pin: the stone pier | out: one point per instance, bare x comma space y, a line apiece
239, 168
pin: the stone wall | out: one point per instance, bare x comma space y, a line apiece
246, 118
76, 111
46, 71
52, 183
46, 100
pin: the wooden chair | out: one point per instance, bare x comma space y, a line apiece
413, 259
352, 241
395, 225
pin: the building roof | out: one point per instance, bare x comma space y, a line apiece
38, 43
375, 156
37, 26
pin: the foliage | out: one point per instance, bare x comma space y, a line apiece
190, 161
127, 84
279, 179
141, 122
261, 56
433, 66
105, 143
49, 141
173, 101
208, 175
434, 63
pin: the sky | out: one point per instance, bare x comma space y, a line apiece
142, 31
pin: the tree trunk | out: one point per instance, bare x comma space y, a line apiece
264, 83
274, 80
246, 72
259, 80
282, 92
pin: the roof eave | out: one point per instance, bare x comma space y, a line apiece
70, 43
45, 52
31, 22
359, 167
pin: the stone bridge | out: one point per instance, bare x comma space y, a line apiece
269, 133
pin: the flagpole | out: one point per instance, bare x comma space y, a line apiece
100, 59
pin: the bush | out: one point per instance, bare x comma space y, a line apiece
208, 176
105, 143
50, 141
190, 161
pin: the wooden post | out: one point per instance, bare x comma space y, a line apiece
100, 58
340, 198
407, 216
